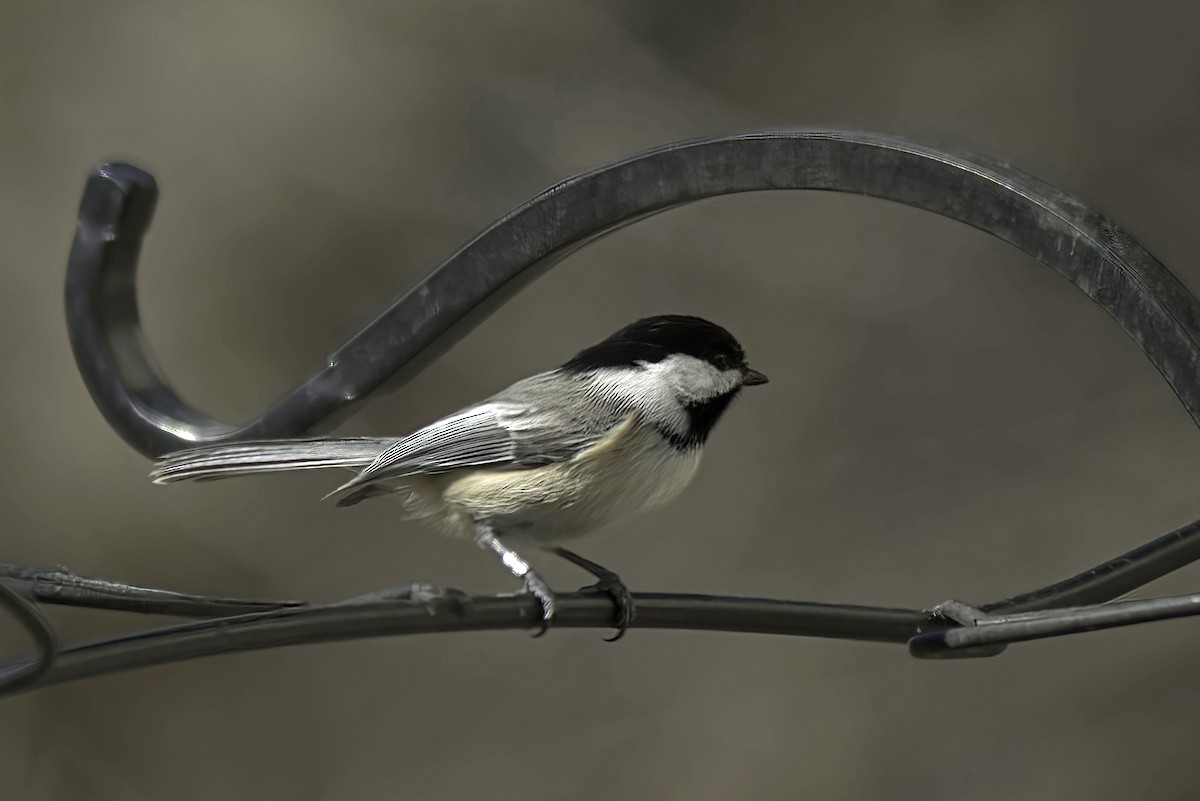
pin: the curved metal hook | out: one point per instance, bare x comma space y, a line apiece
1059, 230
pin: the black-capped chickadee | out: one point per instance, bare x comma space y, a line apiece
617, 429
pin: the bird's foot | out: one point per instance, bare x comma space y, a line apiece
610, 584
536, 586
614, 588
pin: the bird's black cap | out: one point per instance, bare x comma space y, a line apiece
656, 338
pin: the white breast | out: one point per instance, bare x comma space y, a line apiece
629, 471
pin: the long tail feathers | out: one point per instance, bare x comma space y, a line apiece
266, 456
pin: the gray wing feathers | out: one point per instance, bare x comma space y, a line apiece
266, 456
494, 433
545, 418
471, 438
534, 422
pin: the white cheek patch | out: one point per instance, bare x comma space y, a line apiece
663, 391
693, 379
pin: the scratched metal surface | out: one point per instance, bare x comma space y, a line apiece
953, 417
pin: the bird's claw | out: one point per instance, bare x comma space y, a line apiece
612, 586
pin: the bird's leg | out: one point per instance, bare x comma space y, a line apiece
608, 583
535, 584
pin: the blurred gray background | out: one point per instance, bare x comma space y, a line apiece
946, 417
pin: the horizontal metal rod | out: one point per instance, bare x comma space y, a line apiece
455, 613
927, 636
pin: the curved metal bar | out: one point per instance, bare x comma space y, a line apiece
28, 673
1061, 231
347, 621
1111, 579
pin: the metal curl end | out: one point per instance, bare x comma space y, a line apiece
1059, 230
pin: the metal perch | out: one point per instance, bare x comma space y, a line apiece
1086, 247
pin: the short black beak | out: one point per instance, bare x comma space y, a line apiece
752, 378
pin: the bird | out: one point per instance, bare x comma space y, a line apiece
617, 429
